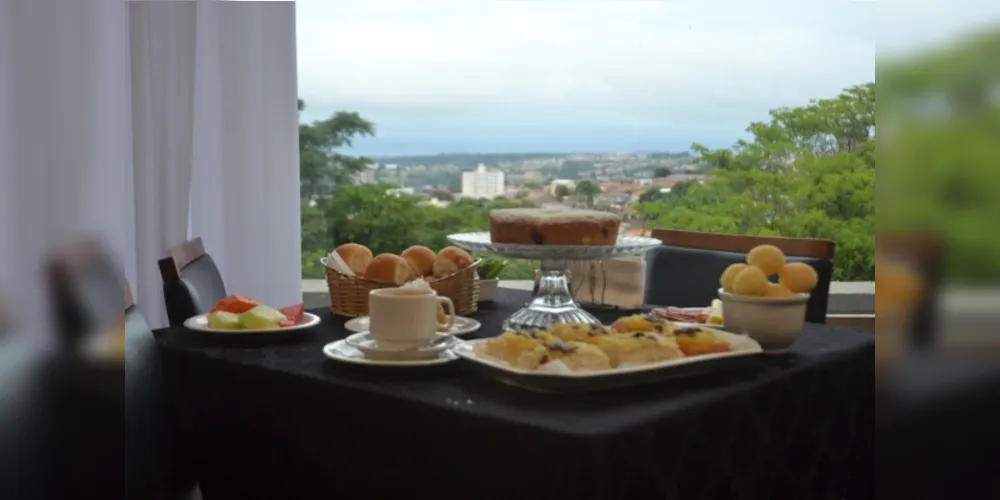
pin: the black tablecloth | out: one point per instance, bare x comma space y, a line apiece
937, 428
281, 421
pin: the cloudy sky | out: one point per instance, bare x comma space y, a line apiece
574, 75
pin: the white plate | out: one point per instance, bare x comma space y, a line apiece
370, 348
200, 324
462, 326
565, 380
340, 351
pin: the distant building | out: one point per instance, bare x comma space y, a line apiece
483, 183
366, 176
554, 185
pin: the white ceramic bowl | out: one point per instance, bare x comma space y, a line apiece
775, 323
487, 289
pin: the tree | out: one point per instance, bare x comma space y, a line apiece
939, 175
561, 192
530, 184
321, 166
588, 189
651, 195
807, 172
680, 189
661, 172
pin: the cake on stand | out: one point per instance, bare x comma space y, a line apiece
553, 303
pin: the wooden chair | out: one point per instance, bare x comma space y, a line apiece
925, 254
192, 283
685, 271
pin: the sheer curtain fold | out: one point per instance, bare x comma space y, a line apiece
163, 42
66, 137
246, 181
149, 122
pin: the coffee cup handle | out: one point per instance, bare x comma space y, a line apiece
449, 306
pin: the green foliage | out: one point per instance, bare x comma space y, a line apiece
320, 164
809, 172
939, 173
661, 172
491, 267
588, 189
387, 223
562, 191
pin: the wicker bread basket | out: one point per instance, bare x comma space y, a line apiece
349, 294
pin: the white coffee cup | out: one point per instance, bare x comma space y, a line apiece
402, 319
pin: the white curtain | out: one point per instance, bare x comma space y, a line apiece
147, 123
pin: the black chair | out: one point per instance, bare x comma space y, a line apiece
86, 285
82, 445
192, 283
685, 271
154, 444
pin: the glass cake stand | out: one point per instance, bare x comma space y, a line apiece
553, 303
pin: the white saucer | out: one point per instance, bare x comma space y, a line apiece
340, 351
462, 325
372, 350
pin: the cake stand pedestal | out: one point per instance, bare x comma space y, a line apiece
553, 303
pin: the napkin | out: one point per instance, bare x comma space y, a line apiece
333, 261
614, 282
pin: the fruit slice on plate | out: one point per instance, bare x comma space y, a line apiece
222, 320
262, 318
236, 304
293, 315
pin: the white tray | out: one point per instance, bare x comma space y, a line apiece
627, 246
565, 381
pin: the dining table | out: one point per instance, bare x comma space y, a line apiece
277, 419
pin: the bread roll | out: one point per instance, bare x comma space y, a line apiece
450, 260
388, 268
421, 259
356, 256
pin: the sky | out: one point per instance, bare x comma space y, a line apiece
440, 76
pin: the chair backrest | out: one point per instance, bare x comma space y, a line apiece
86, 285
924, 254
734, 243
192, 283
153, 438
685, 271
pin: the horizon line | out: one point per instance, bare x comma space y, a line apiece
524, 153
